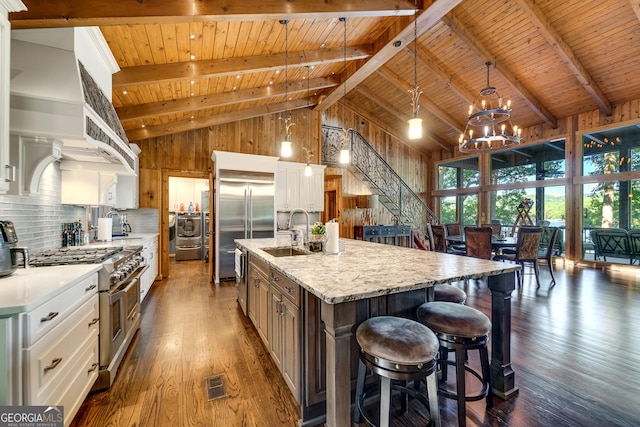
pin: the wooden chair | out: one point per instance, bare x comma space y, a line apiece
453, 229
526, 251
437, 237
495, 228
478, 240
546, 253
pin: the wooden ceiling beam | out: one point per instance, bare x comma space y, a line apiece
635, 4
389, 48
426, 103
449, 78
537, 17
149, 74
218, 119
196, 103
73, 13
532, 102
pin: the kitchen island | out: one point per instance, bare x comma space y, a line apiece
391, 280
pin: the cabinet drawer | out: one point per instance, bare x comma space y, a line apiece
53, 312
370, 231
388, 230
403, 230
256, 263
48, 361
286, 286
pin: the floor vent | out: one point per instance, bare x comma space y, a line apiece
215, 387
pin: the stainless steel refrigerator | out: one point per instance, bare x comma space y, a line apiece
244, 209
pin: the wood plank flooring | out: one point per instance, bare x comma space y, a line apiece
575, 353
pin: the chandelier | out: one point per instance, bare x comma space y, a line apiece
415, 124
489, 124
285, 145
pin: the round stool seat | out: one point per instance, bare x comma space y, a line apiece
397, 340
454, 319
449, 293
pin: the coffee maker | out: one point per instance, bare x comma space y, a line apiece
9, 250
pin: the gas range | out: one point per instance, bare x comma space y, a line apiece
75, 255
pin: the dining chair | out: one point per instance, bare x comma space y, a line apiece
546, 253
478, 240
495, 228
437, 237
526, 251
453, 229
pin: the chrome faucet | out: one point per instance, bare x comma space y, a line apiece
306, 238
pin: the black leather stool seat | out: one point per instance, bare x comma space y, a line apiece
454, 319
460, 328
449, 293
398, 350
397, 340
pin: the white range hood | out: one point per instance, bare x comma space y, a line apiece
61, 90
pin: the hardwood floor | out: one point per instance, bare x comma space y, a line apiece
575, 353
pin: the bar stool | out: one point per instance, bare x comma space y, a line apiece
449, 293
461, 328
399, 349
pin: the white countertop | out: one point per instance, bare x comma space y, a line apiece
27, 288
133, 239
367, 269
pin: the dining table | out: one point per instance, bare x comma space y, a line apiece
497, 243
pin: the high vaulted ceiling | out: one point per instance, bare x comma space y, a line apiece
188, 65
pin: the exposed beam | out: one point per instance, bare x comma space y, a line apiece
74, 13
195, 103
532, 102
449, 78
405, 86
389, 49
537, 17
186, 125
148, 74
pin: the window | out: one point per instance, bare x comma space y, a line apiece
462, 173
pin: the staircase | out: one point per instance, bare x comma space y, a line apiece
378, 176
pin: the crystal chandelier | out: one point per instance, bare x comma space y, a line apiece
415, 124
345, 156
285, 145
489, 124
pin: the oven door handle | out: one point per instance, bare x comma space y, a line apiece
140, 271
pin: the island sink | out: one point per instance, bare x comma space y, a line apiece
280, 252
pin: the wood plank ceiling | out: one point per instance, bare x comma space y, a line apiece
189, 65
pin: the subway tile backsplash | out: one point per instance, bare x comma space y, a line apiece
38, 219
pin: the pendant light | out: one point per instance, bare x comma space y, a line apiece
344, 151
285, 145
307, 169
415, 124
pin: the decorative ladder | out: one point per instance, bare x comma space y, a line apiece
378, 176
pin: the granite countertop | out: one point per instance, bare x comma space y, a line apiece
27, 288
367, 269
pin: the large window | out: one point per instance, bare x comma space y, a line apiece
456, 175
461, 173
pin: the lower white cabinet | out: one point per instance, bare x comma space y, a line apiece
60, 361
150, 255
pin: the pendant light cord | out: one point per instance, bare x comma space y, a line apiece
344, 84
415, 54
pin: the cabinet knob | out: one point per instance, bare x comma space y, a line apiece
289, 289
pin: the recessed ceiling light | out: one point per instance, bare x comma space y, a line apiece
142, 125
124, 92
234, 88
192, 36
277, 71
323, 45
193, 57
191, 93
193, 82
238, 76
191, 117
313, 66
270, 83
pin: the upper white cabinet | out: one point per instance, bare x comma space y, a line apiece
185, 190
7, 171
127, 192
88, 188
295, 190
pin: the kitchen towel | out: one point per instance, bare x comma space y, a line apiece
333, 235
238, 265
105, 227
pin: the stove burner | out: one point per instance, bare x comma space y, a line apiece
67, 256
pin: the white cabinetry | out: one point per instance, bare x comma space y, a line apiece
60, 348
127, 192
295, 190
185, 190
150, 255
88, 188
7, 172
